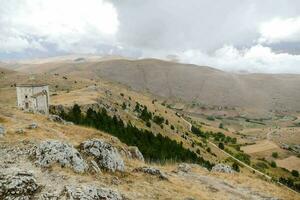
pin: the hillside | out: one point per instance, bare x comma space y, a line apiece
159, 128
205, 86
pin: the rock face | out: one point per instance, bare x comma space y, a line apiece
151, 171
18, 185
2, 131
135, 153
222, 168
50, 152
105, 154
91, 193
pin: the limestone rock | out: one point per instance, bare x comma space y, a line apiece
151, 171
56, 118
19, 131
135, 153
33, 125
105, 154
17, 185
50, 152
50, 196
184, 167
89, 192
95, 167
222, 168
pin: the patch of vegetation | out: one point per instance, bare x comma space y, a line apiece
261, 166
236, 167
290, 183
154, 148
210, 118
243, 157
275, 155
158, 119
199, 133
295, 173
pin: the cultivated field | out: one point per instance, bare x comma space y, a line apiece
290, 163
262, 146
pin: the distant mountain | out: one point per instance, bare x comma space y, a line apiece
190, 83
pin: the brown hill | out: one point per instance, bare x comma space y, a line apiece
191, 83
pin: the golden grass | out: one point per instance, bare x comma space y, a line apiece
261, 146
290, 163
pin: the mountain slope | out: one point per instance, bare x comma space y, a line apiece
190, 83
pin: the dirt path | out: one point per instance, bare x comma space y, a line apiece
242, 163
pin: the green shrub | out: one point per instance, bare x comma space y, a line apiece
221, 145
236, 167
273, 164
295, 173
275, 155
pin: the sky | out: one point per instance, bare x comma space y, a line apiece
256, 36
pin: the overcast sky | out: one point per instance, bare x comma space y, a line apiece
232, 35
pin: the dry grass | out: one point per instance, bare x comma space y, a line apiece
261, 146
290, 163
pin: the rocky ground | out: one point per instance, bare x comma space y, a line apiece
50, 160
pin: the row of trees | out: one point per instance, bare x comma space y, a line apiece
154, 148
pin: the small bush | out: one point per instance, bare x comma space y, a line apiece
221, 145
273, 164
275, 155
236, 167
295, 173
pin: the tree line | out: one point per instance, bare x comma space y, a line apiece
155, 148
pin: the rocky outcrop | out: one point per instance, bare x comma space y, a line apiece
222, 168
184, 167
135, 153
151, 171
33, 125
50, 152
105, 154
18, 185
91, 193
56, 118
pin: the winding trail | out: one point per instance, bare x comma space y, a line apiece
242, 163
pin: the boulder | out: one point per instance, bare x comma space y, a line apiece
2, 130
90, 192
33, 125
151, 171
55, 118
105, 154
135, 153
184, 167
222, 168
17, 185
19, 131
50, 152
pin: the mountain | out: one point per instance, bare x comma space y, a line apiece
189, 83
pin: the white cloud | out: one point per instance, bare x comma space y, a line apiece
70, 25
280, 30
257, 59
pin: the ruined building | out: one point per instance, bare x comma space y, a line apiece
33, 97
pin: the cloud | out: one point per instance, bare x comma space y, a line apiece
257, 59
68, 25
280, 30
